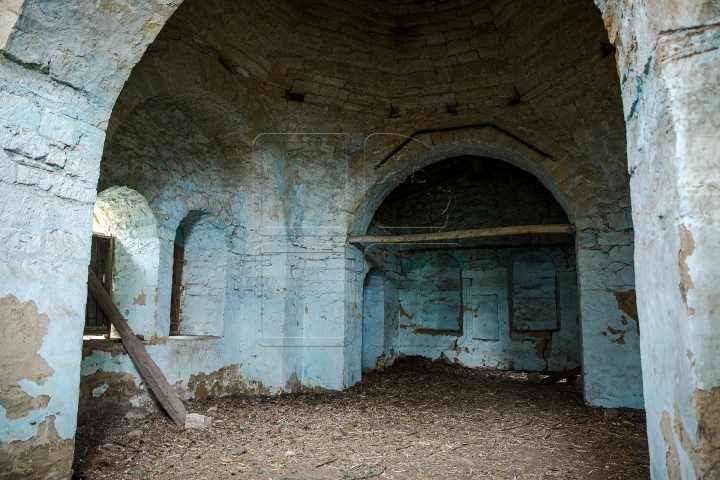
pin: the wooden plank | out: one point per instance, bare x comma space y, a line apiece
561, 376
463, 234
147, 367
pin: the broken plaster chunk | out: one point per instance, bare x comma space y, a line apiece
534, 377
611, 413
197, 420
134, 414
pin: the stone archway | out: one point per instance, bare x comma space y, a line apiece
607, 383
61, 69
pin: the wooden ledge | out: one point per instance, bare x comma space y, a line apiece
463, 234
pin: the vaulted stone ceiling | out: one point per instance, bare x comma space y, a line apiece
544, 68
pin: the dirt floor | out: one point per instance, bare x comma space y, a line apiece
417, 420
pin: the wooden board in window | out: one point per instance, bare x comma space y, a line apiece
101, 261
177, 290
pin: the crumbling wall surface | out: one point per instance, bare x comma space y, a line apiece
486, 334
61, 69
204, 276
604, 245
110, 382
203, 125
668, 64
184, 135
27, 382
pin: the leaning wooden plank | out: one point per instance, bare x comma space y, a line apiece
561, 376
147, 367
463, 234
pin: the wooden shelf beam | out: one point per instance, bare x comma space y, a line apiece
463, 234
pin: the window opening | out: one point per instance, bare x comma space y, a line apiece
177, 287
101, 261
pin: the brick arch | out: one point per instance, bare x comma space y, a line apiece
484, 142
593, 242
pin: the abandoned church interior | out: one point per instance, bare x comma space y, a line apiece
290, 205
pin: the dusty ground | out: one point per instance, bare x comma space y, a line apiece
418, 420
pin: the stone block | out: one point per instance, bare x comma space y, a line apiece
619, 221
458, 46
196, 420
60, 128
17, 111
436, 38
614, 238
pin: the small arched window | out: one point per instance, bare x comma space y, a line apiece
177, 288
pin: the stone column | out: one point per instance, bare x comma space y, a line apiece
60, 72
669, 65
50, 153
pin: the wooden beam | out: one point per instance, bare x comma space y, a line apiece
462, 234
561, 376
147, 367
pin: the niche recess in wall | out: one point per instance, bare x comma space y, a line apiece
373, 319
497, 301
534, 293
431, 292
204, 277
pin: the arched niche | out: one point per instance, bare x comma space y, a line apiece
510, 302
381, 182
431, 292
124, 214
534, 297
203, 275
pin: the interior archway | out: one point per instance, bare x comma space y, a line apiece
516, 295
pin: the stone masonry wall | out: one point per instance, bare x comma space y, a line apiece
61, 68
184, 135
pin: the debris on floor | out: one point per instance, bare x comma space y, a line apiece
196, 420
416, 420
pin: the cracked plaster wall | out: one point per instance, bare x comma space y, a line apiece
125, 215
204, 276
61, 67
